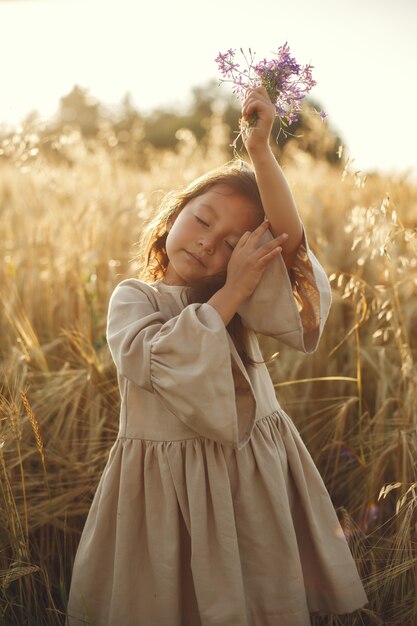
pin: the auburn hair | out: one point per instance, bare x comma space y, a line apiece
153, 258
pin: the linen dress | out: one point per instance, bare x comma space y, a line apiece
210, 510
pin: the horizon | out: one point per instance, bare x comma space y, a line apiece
113, 49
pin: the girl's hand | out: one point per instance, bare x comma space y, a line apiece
257, 104
249, 260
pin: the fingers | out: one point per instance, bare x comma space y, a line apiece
276, 241
250, 258
256, 235
258, 106
256, 92
270, 255
263, 254
256, 97
269, 250
261, 229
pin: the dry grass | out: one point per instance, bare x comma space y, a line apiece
68, 235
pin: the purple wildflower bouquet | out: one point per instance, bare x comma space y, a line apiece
286, 82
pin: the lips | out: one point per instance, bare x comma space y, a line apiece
195, 258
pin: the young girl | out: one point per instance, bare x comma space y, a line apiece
210, 510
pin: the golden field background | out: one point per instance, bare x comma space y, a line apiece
68, 233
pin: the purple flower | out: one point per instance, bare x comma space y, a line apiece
286, 81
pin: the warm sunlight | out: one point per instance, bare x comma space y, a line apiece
208, 320
361, 53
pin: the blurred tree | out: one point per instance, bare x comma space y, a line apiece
162, 125
134, 136
79, 109
129, 126
310, 133
31, 119
313, 135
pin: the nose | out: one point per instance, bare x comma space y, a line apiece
206, 245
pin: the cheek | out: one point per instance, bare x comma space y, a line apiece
171, 242
222, 261
183, 226
174, 233
179, 235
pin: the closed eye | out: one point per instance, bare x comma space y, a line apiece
200, 220
231, 246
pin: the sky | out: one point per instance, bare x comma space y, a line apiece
364, 54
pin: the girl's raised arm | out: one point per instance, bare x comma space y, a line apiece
277, 198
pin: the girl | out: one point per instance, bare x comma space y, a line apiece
210, 510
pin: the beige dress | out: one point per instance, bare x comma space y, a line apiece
210, 510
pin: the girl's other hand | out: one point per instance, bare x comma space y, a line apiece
249, 261
257, 105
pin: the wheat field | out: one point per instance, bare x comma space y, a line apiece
69, 228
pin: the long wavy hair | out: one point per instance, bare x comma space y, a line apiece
153, 258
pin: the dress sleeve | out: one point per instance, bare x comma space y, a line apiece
290, 305
185, 361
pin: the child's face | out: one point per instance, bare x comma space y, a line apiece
200, 241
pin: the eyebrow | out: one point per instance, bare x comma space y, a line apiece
213, 210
